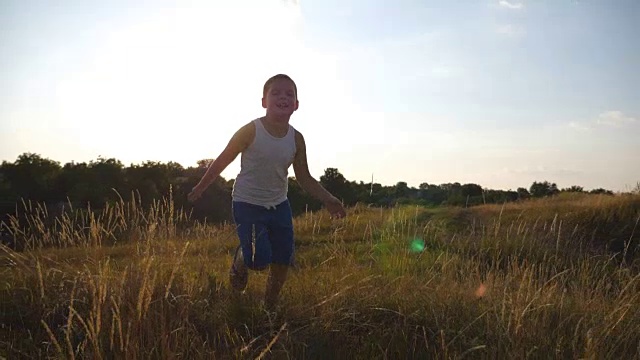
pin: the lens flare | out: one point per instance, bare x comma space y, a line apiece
417, 245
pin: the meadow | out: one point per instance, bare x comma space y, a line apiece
557, 277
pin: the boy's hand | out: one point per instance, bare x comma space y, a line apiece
195, 193
335, 208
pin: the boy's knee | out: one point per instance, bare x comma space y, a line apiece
258, 267
259, 260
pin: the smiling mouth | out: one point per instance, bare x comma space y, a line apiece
282, 106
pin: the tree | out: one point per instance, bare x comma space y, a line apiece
472, 194
205, 163
153, 179
336, 184
7, 196
471, 190
542, 189
601, 191
103, 177
454, 193
75, 181
523, 193
33, 177
401, 189
299, 199
432, 194
574, 188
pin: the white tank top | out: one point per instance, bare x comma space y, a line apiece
264, 168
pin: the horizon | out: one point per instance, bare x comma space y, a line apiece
357, 181
496, 93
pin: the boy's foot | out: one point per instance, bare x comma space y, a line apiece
238, 275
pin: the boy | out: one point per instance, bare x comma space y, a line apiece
261, 211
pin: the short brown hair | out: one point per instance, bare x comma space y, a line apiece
267, 84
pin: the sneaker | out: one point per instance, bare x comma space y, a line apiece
238, 277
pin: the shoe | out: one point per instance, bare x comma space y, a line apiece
238, 278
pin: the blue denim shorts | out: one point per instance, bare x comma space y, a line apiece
266, 235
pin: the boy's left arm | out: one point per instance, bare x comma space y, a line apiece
311, 185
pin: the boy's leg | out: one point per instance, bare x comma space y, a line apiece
254, 251
239, 273
282, 249
277, 277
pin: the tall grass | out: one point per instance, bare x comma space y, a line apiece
521, 280
33, 227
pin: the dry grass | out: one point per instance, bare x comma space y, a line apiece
141, 284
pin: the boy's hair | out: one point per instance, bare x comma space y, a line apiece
267, 84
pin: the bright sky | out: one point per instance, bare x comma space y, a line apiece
499, 93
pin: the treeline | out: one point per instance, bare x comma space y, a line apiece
37, 179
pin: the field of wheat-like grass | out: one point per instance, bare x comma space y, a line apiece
548, 278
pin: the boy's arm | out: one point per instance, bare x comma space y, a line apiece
238, 143
311, 185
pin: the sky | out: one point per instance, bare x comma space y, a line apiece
493, 92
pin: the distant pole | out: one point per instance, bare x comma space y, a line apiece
371, 190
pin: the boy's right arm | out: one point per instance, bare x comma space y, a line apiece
238, 143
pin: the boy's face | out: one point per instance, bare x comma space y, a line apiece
281, 99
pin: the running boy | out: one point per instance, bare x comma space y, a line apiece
261, 211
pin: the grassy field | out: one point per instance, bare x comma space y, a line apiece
549, 278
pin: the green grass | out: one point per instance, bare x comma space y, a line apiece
143, 284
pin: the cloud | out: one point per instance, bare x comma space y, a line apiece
612, 118
579, 126
511, 5
510, 30
615, 118
542, 171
